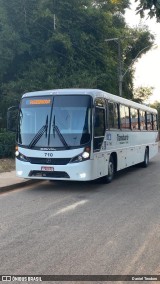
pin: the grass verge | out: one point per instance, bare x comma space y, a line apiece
7, 165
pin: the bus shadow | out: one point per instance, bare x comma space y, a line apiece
67, 186
85, 186
132, 169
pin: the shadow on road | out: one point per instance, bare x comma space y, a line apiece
90, 186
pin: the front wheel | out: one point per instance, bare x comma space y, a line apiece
111, 171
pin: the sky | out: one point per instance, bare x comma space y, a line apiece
147, 68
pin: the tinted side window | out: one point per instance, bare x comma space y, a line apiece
142, 120
124, 114
134, 119
154, 122
149, 121
99, 126
113, 115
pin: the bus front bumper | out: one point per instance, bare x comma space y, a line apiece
81, 171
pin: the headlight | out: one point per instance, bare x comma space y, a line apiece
21, 157
82, 157
85, 155
17, 153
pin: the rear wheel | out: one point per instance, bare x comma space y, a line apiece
145, 163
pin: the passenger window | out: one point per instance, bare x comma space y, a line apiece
142, 115
154, 122
124, 114
113, 115
149, 121
134, 119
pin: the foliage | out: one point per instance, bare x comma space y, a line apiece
7, 144
151, 6
141, 94
156, 105
48, 44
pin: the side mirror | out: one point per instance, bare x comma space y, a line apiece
12, 115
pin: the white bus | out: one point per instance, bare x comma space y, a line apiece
82, 135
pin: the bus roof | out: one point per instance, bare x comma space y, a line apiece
95, 93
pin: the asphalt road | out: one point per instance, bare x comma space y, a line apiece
83, 228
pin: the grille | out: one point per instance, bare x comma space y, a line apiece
49, 161
54, 174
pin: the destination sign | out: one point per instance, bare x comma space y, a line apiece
40, 102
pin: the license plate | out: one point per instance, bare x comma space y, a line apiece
47, 169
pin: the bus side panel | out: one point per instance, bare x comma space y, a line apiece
121, 159
100, 161
153, 150
130, 146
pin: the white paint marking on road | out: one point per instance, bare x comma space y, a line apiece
70, 207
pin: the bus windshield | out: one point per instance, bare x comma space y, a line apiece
56, 122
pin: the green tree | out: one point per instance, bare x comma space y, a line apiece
151, 6
156, 105
142, 94
49, 44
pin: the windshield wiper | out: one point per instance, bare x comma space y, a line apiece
55, 128
39, 134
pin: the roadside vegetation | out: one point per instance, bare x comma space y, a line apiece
7, 165
152, 7
7, 149
7, 144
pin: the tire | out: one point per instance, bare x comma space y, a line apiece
111, 171
145, 163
